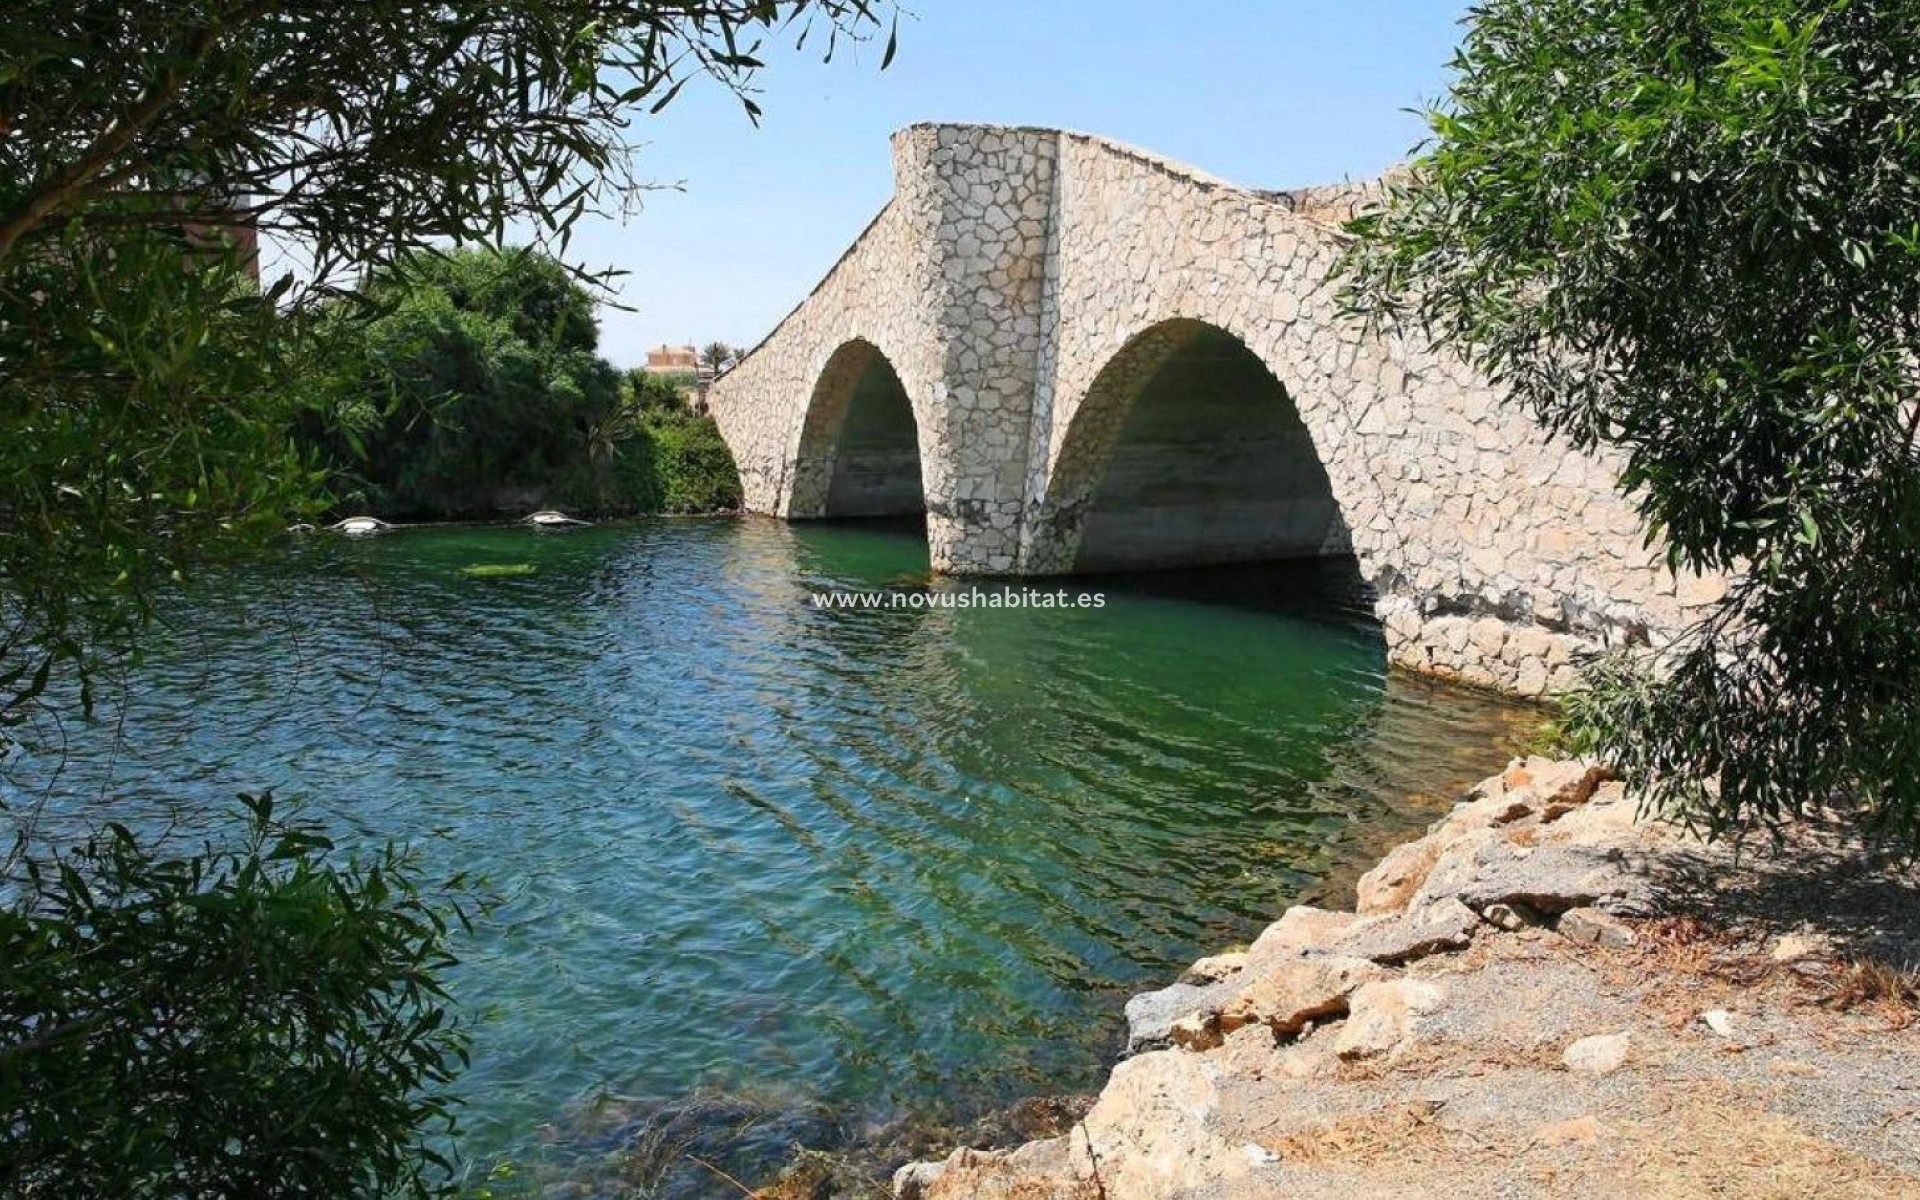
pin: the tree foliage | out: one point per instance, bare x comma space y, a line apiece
1691, 233
359, 134
654, 392
687, 460
256, 1020
478, 379
478, 388
145, 398
143, 146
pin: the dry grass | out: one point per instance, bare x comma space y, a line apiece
1704, 1144
1868, 985
1710, 1146
1695, 1140
1702, 961
1367, 1139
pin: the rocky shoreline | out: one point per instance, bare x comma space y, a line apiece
1542, 996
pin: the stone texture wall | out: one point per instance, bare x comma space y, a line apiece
1026, 284
946, 283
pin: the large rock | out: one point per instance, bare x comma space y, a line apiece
915, 1180
1195, 1031
1043, 1168
1612, 876
1152, 1134
1300, 929
1215, 968
1456, 868
1152, 1016
1608, 814
1416, 933
1286, 997
1556, 783
1489, 807
1381, 1016
1397, 877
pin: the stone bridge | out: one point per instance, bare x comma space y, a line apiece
1074, 356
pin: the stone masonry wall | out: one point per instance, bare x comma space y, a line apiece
1025, 283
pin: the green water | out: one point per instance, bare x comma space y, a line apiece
856, 865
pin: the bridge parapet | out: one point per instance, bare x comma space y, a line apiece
1042, 298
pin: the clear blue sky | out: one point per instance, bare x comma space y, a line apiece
1269, 93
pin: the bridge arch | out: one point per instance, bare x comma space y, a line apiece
858, 453
1186, 449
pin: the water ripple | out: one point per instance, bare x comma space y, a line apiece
887, 861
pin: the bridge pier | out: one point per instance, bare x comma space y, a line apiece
1073, 356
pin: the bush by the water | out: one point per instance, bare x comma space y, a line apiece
688, 461
263, 1020
476, 387
253, 1019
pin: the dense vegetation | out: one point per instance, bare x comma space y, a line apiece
1691, 232
683, 455
254, 1020
476, 388
256, 1017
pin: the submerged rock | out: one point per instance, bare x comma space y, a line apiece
670, 1148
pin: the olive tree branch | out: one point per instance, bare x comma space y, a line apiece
67, 184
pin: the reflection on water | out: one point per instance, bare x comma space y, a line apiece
871, 862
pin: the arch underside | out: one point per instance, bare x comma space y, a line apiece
1188, 451
859, 453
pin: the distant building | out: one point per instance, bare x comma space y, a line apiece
683, 363
673, 360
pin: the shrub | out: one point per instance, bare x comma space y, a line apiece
479, 378
695, 469
253, 1020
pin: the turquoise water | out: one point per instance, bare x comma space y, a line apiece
858, 865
